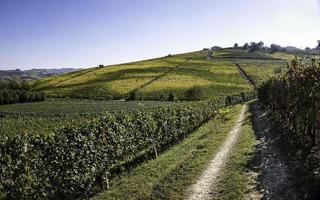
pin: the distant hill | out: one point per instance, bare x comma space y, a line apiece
34, 74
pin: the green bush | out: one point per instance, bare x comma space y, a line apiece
132, 96
171, 97
193, 94
8, 96
72, 161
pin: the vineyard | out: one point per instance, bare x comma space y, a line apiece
47, 116
77, 157
214, 78
241, 53
159, 100
261, 70
97, 123
58, 107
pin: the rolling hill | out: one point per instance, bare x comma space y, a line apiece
156, 79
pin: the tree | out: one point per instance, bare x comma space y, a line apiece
275, 48
308, 49
246, 46
254, 46
235, 45
260, 44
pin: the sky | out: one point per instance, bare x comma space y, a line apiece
86, 33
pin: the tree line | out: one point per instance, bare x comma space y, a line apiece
18, 91
259, 46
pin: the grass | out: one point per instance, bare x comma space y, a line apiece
154, 79
170, 175
234, 182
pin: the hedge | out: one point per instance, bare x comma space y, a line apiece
8, 96
72, 161
294, 101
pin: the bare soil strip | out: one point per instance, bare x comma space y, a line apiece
202, 189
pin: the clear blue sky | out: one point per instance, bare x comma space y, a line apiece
85, 33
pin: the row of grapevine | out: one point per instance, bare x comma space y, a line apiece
294, 99
72, 161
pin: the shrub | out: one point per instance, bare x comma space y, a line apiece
8, 96
193, 94
171, 97
132, 96
277, 70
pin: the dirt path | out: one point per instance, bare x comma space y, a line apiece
202, 189
270, 173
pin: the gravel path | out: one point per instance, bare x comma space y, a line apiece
271, 174
202, 189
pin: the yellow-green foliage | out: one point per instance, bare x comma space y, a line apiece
240, 53
152, 79
116, 80
283, 55
260, 70
215, 78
